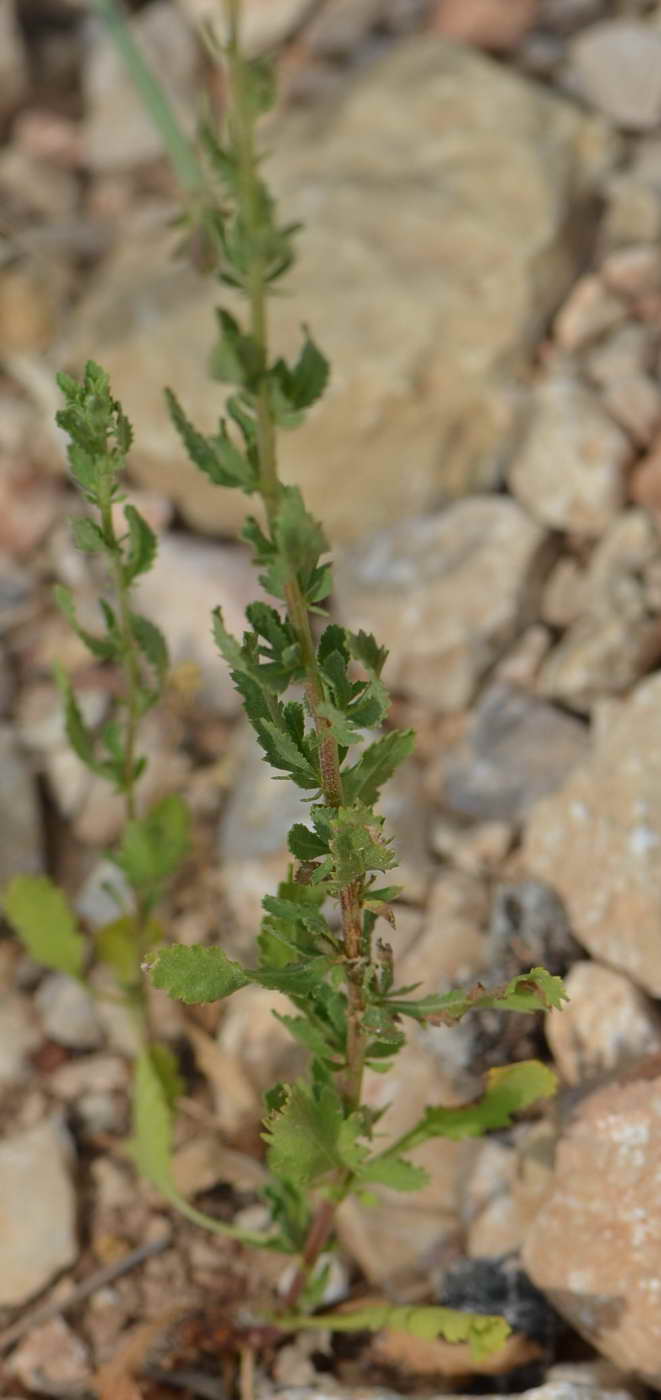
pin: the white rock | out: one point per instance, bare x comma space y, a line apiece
569, 469
598, 840
68, 1012
445, 594
607, 1024
617, 66
37, 1220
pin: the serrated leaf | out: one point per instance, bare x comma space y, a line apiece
365, 649
236, 357
142, 545
308, 1136
105, 648
509, 1090
306, 845
152, 643
153, 847
364, 780
197, 974
217, 456
295, 388
485, 1334
537, 990
44, 921
87, 535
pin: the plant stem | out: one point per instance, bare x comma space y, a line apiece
242, 121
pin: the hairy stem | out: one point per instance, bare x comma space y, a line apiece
242, 122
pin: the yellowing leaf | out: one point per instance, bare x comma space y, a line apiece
44, 921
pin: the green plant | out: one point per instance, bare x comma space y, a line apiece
314, 694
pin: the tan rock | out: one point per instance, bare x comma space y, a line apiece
633, 271
589, 311
52, 1358
595, 1245
563, 596
632, 213
568, 471
617, 66
37, 1214
607, 1024
597, 841
487, 23
452, 941
635, 403
445, 594
422, 401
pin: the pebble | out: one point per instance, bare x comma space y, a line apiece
68, 1012
568, 471
589, 311
616, 65
595, 1245
487, 23
608, 1024
19, 1036
597, 841
445, 594
38, 1220
52, 1360
451, 943
20, 819
518, 749
635, 271
632, 213
564, 595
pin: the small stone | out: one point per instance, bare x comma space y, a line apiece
588, 312
635, 403
569, 469
189, 579
338, 30
118, 131
646, 480
617, 66
265, 23
37, 1220
487, 23
565, 16
520, 665
633, 272
529, 927
632, 213
451, 944
475, 850
251, 1033
518, 749
563, 597
68, 1012
594, 1249
19, 1036
492, 1220
16, 593
94, 1074
627, 352
597, 841
52, 1360
608, 1024
618, 635
445, 594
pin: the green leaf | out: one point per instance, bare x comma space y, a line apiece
153, 847
376, 765
485, 1334
119, 945
295, 389
509, 1090
142, 545
357, 845
43, 919
305, 844
365, 649
394, 1172
154, 1087
105, 648
87, 535
197, 974
217, 457
536, 990
309, 1137
236, 357
152, 644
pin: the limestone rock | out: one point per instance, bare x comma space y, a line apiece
468, 167
597, 841
451, 942
519, 748
445, 594
616, 65
562, 600
37, 1220
68, 1012
594, 1247
607, 1024
119, 131
568, 471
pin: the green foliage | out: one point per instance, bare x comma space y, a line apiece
153, 847
196, 974
483, 1333
41, 916
537, 990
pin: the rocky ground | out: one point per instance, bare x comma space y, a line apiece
482, 263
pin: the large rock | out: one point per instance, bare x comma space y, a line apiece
37, 1211
445, 594
607, 1024
617, 66
435, 168
597, 840
595, 1245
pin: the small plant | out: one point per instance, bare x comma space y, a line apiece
314, 694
